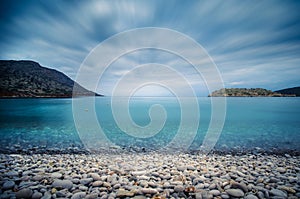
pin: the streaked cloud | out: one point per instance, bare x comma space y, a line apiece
253, 43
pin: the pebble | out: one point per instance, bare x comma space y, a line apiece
149, 175
8, 185
124, 193
250, 196
179, 188
95, 176
215, 192
24, 193
37, 195
47, 195
241, 186
148, 191
277, 192
86, 181
56, 175
235, 192
62, 184
79, 195
97, 183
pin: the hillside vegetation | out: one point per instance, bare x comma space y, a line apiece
29, 79
247, 92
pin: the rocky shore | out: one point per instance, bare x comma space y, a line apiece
149, 175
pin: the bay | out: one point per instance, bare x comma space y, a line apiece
264, 122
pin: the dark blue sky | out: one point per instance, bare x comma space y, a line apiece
253, 43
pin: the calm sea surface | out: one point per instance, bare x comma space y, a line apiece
266, 123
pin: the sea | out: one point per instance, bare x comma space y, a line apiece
149, 123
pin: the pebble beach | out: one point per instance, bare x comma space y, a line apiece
149, 175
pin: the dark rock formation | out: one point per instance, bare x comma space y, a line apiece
29, 79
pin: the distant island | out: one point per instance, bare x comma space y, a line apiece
251, 92
28, 79
290, 91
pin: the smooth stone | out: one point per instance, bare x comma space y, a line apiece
97, 184
138, 173
91, 196
139, 197
37, 195
79, 195
235, 192
250, 196
190, 167
181, 168
260, 195
47, 195
288, 189
56, 175
273, 180
241, 186
277, 192
12, 173
62, 193
148, 191
225, 196
215, 192
179, 188
124, 193
62, 184
198, 195
86, 181
212, 186
8, 185
281, 170
24, 193
95, 176
37, 178
83, 188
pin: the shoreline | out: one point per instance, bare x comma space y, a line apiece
149, 175
142, 150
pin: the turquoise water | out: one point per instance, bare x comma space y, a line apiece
35, 124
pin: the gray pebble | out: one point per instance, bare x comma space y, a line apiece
250, 196
24, 193
95, 176
179, 188
47, 195
56, 175
235, 192
36, 195
277, 192
8, 185
62, 184
148, 191
86, 181
215, 192
79, 195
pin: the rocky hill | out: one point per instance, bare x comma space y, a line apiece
247, 92
290, 91
29, 79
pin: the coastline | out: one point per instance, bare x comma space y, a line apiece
149, 175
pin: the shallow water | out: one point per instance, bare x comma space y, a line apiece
250, 122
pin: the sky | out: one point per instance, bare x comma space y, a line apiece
252, 43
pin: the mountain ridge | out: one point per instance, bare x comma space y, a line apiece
28, 79
292, 90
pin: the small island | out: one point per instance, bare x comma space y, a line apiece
248, 92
